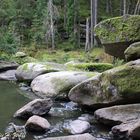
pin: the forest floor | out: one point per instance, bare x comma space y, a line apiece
62, 56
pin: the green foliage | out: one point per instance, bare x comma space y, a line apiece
9, 41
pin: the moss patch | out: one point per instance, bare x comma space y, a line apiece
100, 67
124, 79
133, 52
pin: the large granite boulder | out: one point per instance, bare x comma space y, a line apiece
133, 52
125, 117
37, 123
85, 136
58, 84
4, 66
38, 107
116, 86
29, 71
116, 34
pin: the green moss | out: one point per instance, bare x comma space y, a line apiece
100, 67
133, 52
119, 29
91, 74
25, 67
125, 79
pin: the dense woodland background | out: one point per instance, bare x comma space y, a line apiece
55, 23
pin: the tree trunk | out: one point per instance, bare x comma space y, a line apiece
137, 8
65, 13
93, 21
87, 45
124, 7
76, 24
52, 24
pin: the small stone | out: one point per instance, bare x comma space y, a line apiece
77, 127
36, 107
36, 123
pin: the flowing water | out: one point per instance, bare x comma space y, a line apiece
12, 98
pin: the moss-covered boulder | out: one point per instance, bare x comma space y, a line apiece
115, 86
28, 71
116, 34
58, 84
133, 52
100, 67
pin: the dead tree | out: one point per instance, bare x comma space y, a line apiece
137, 8
52, 14
87, 45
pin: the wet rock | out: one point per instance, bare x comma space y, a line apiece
36, 123
15, 132
58, 84
118, 114
29, 71
85, 136
127, 130
4, 66
115, 86
77, 127
115, 36
133, 52
8, 75
87, 117
36, 107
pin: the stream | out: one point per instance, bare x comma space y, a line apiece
12, 98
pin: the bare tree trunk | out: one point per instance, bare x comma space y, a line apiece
87, 45
107, 7
52, 24
124, 7
137, 8
65, 12
92, 23
76, 24
94, 7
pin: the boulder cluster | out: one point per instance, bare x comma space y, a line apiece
114, 92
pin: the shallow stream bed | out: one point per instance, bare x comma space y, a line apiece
12, 98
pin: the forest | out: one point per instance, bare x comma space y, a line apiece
69, 69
